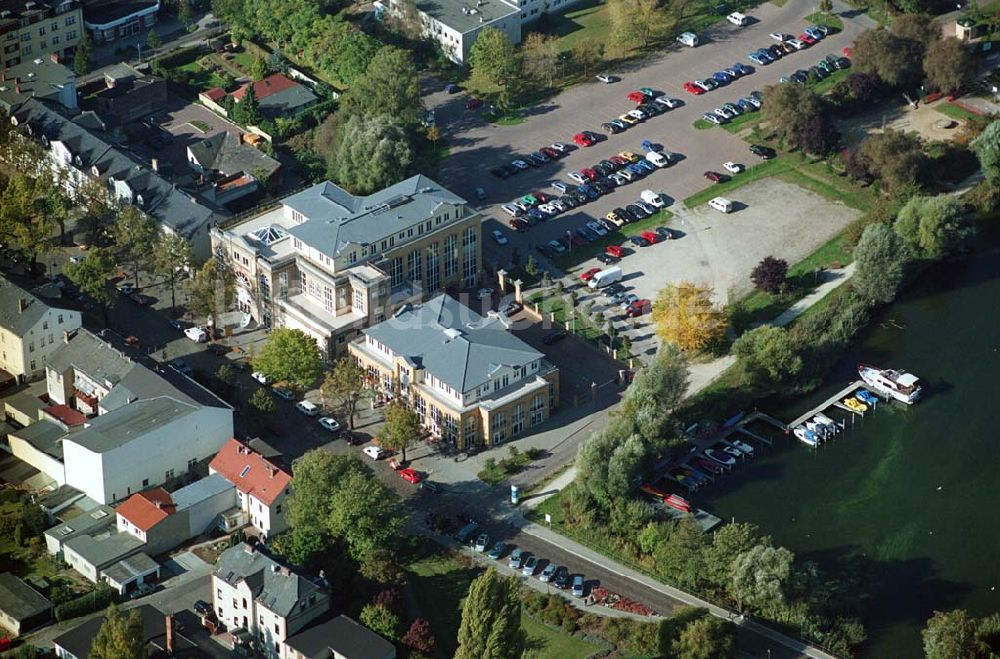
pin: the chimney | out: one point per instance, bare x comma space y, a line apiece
54, 57
248, 548
66, 336
154, 163
17, 89
168, 625
285, 572
22, 304
158, 504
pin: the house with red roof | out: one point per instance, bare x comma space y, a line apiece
262, 487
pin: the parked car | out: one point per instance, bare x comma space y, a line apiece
553, 337
196, 334
482, 542
329, 423
410, 476
497, 550
498, 237
715, 177
606, 79
589, 274
530, 567
615, 251
201, 607
548, 573
283, 393
578, 586
732, 167
561, 578
373, 452
467, 532
307, 408
515, 559
762, 152
181, 366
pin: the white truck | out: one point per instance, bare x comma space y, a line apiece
605, 277
658, 159
688, 39
652, 198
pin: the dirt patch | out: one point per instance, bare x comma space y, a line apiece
925, 121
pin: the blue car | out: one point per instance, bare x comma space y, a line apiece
743, 69
636, 169
722, 77
745, 105
757, 58
648, 146
647, 166
590, 192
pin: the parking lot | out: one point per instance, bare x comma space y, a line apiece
477, 146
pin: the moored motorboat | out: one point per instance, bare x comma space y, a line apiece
709, 466
742, 446
867, 397
855, 404
733, 451
894, 383
805, 435
720, 456
827, 423
818, 428
679, 503
825, 419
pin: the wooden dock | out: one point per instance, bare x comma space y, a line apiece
832, 401
706, 520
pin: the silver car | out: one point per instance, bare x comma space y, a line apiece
515, 559
530, 566
548, 573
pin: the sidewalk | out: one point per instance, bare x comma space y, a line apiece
594, 557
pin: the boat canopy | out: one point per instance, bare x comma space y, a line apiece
907, 379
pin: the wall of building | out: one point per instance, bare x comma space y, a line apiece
80, 564
233, 605
25, 356
147, 460
40, 460
204, 515
170, 532
269, 520
53, 34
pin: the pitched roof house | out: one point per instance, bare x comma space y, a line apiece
262, 485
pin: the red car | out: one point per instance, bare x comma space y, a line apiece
517, 224
638, 308
576, 240
542, 197
651, 236
715, 177
806, 39
615, 251
551, 153
692, 88
589, 173
637, 97
583, 139
847, 52
589, 274
473, 103
618, 160
410, 476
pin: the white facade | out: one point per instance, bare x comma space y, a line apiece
24, 356
40, 460
268, 519
151, 458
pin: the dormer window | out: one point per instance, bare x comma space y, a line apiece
139, 201
94, 171
77, 161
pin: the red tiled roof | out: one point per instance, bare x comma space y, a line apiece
144, 510
215, 94
66, 414
272, 84
250, 471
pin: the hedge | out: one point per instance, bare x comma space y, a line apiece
95, 600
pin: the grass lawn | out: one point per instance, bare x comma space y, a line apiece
439, 586
702, 124
588, 21
761, 170
827, 83
558, 306
578, 254
955, 112
243, 59
831, 21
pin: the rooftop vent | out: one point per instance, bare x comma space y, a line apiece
452, 333
403, 309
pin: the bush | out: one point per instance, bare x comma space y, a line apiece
769, 275
95, 600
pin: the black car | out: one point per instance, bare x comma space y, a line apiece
610, 165
537, 161
762, 152
622, 213
664, 232
776, 51
842, 63
607, 259
613, 289
569, 200
201, 607
639, 241
800, 76
611, 128
580, 197
500, 172
553, 337
602, 187
561, 578
600, 169
818, 72
651, 109
592, 135
544, 250
637, 211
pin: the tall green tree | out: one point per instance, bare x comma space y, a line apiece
365, 515
94, 199
949, 65
211, 291
681, 556
540, 58
345, 382
759, 577
290, 355
987, 149
707, 637
91, 276
767, 354
120, 636
797, 115
81, 60
935, 227
952, 635
135, 237
24, 220
635, 23
172, 259
895, 158
889, 56
153, 41
491, 619
381, 620
373, 153
494, 63
388, 87
880, 262
401, 429
258, 68
727, 543
587, 53
247, 111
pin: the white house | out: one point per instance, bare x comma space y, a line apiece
254, 592
30, 330
261, 485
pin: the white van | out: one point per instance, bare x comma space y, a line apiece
721, 204
688, 39
737, 19
605, 277
657, 159
307, 408
196, 334
652, 198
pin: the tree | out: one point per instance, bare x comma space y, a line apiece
826, 6
247, 110
81, 60
655, 393
916, 27
226, 375
531, 266
405, 19
494, 63
951, 635
987, 149
420, 637
93, 197
798, 116
262, 403
759, 577
769, 275
172, 259
373, 153
211, 291
895, 158
120, 636
491, 619
635, 22
935, 227
880, 261
153, 41
346, 382
539, 58
727, 543
387, 87
91, 276
258, 68
185, 13
380, 620
587, 53
135, 237
680, 556
365, 514
685, 315
948, 65
290, 355
24, 215
402, 427
707, 637
767, 353
889, 56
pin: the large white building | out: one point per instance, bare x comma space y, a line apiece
30, 330
254, 592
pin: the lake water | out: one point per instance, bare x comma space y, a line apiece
909, 496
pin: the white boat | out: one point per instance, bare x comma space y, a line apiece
807, 436
822, 418
818, 428
898, 384
742, 446
826, 423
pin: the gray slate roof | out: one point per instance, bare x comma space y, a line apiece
109, 431
201, 490
19, 322
225, 153
131, 567
90, 354
337, 218
19, 600
105, 546
166, 204
287, 101
43, 79
452, 342
44, 436
450, 12
344, 636
88, 522
275, 591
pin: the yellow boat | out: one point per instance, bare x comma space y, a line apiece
855, 404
